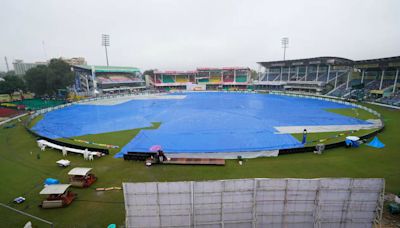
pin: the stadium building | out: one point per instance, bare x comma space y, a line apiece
207, 78
315, 75
172, 79
371, 79
378, 79
90, 80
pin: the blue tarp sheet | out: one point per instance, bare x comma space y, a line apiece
376, 143
50, 181
202, 122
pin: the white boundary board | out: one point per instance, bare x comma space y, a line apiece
260, 202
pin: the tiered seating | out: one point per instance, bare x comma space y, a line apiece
168, 79
158, 79
241, 78
104, 80
322, 77
110, 79
204, 80
372, 85
387, 83
215, 79
311, 76
35, 104
340, 91
121, 79
285, 76
293, 77
273, 77
182, 79
228, 78
392, 100
8, 112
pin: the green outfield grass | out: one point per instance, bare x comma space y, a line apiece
22, 174
353, 112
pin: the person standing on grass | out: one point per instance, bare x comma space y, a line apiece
161, 156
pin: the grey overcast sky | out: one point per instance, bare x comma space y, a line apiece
185, 34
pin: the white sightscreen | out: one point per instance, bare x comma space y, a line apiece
325, 202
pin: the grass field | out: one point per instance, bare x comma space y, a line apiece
22, 174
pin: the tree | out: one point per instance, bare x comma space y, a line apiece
36, 80
11, 84
149, 72
253, 75
47, 80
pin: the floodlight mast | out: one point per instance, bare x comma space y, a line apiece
105, 38
285, 43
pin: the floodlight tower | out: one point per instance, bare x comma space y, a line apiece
5, 59
105, 41
285, 43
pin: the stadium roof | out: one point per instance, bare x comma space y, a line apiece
390, 62
223, 68
381, 63
325, 60
119, 69
171, 72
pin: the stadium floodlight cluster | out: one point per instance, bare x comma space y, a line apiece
105, 41
285, 43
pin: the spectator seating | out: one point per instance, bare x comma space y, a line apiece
215, 79
228, 78
8, 112
36, 104
182, 79
241, 79
168, 79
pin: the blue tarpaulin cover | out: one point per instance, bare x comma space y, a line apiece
50, 181
201, 122
376, 143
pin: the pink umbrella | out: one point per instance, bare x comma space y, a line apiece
155, 148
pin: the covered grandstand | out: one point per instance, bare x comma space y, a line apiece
172, 79
91, 80
372, 79
212, 78
226, 77
380, 79
317, 75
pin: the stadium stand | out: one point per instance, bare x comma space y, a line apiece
182, 79
241, 78
333, 76
214, 78
8, 112
90, 80
167, 79
228, 77
393, 99
158, 79
203, 80
36, 103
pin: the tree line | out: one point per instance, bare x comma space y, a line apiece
43, 80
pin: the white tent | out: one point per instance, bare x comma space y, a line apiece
54, 189
78, 171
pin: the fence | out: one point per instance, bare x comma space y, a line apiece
325, 202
